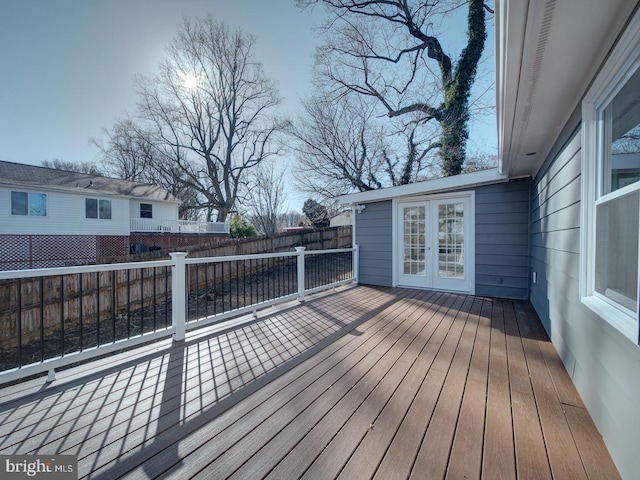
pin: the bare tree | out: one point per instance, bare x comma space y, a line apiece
265, 199
339, 147
480, 159
342, 147
208, 111
129, 153
79, 167
392, 51
288, 220
417, 163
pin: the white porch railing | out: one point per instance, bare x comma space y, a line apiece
60, 316
177, 226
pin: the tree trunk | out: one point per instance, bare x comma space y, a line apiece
454, 142
457, 89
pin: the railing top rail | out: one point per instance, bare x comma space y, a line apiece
231, 258
48, 272
330, 250
257, 256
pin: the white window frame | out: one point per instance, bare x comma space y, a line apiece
29, 194
98, 217
623, 62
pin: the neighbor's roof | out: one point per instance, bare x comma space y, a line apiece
446, 184
20, 175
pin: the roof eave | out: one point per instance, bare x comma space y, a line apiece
458, 182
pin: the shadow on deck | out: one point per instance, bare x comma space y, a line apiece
366, 382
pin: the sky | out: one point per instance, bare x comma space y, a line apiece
68, 66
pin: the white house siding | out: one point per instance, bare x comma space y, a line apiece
65, 216
160, 210
603, 363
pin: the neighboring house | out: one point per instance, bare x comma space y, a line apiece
558, 221
52, 217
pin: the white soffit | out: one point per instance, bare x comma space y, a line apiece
547, 53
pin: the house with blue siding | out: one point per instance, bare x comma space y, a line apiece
558, 221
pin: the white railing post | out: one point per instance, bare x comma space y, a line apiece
179, 295
356, 263
300, 251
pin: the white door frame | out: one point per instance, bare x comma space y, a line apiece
468, 197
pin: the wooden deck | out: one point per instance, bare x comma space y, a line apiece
362, 383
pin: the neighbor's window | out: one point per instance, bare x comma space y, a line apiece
95, 208
612, 199
146, 210
28, 203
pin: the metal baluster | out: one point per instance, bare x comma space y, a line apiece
62, 315
19, 322
42, 319
81, 319
98, 309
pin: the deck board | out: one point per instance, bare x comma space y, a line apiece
354, 414
362, 383
530, 453
465, 460
434, 453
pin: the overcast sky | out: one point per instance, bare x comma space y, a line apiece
68, 65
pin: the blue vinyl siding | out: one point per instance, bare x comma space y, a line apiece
502, 239
603, 364
374, 234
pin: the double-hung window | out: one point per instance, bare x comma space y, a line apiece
611, 189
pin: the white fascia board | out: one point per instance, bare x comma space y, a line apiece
511, 20
444, 184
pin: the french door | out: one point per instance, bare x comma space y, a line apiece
434, 244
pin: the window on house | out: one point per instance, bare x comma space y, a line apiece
95, 208
146, 210
29, 204
611, 192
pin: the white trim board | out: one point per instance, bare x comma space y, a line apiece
462, 181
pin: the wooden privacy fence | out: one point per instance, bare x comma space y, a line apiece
323, 239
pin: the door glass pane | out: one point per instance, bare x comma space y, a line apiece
414, 241
451, 240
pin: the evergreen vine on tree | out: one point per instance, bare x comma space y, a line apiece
385, 49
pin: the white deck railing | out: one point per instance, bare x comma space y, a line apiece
60, 316
178, 226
